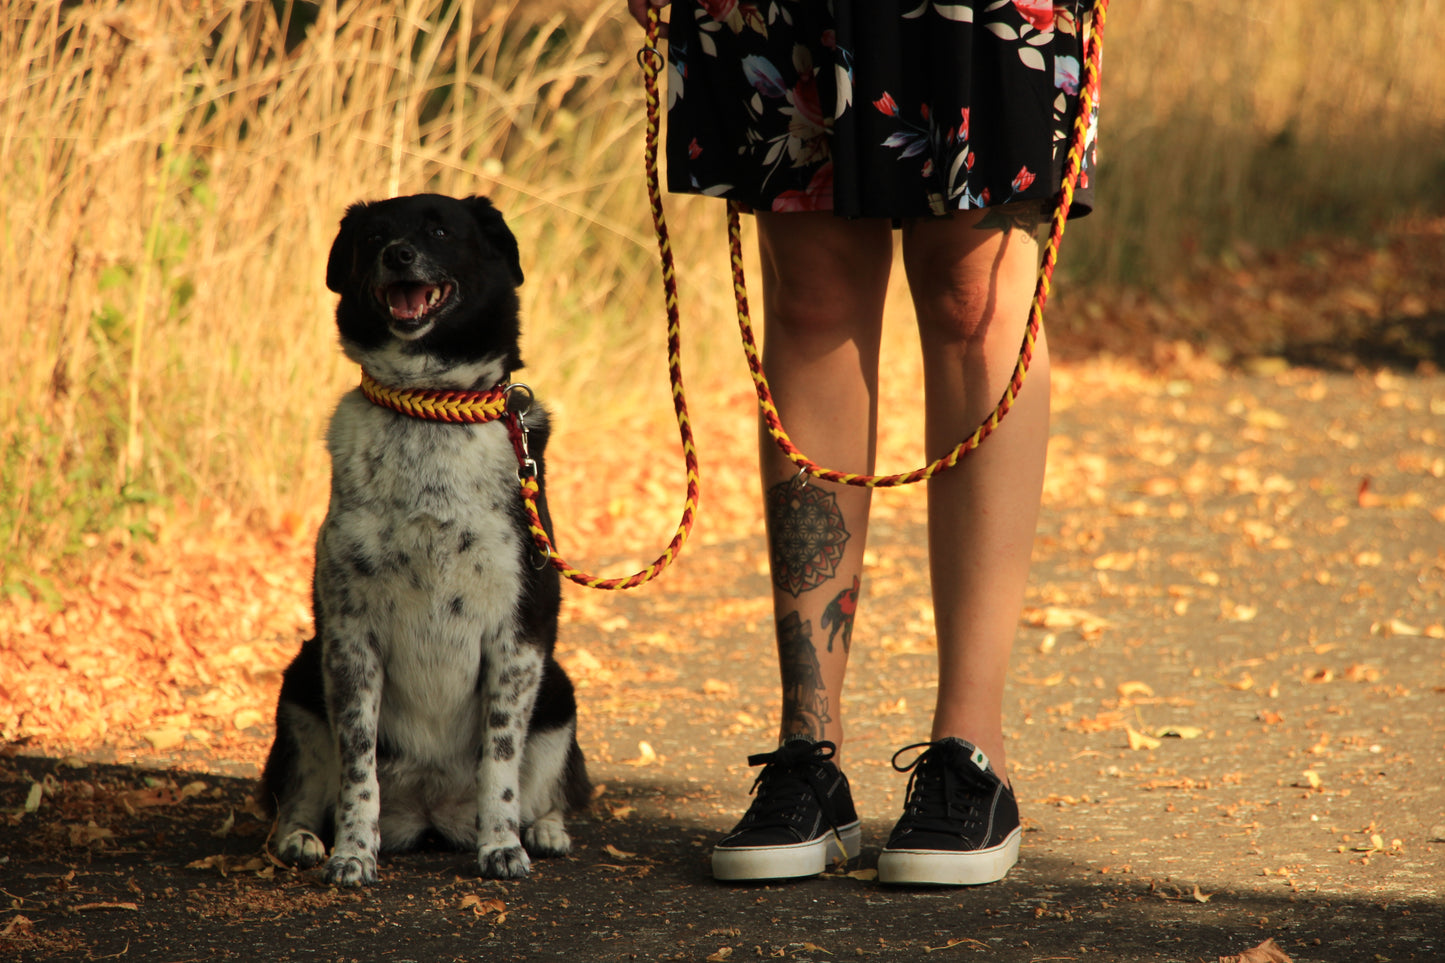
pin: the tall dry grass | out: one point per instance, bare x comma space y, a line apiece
1226, 121
173, 172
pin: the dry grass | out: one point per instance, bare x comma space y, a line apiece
174, 172
1229, 122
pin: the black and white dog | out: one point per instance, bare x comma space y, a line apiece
428, 704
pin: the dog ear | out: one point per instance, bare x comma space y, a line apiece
495, 230
338, 264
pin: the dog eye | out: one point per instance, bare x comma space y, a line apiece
439, 232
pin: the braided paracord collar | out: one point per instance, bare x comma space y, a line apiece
454, 407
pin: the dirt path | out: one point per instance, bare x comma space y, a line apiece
1223, 721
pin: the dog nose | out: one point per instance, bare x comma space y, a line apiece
399, 255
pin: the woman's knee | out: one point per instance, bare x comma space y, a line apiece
967, 272
823, 275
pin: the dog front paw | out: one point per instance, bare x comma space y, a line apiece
548, 837
301, 848
510, 862
344, 870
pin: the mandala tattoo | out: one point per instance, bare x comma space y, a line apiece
808, 536
838, 616
805, 707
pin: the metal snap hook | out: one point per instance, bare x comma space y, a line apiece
519, 409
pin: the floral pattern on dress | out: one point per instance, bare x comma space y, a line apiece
875, 107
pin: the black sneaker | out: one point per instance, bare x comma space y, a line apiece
960, 825
802, 817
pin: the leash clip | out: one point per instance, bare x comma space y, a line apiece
526, 464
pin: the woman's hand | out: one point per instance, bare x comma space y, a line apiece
638, 9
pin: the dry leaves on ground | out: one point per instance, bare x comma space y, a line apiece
1266, 952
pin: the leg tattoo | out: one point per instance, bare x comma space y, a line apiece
805, 706
808, 536
838, 616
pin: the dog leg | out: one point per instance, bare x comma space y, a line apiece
510, 690
310, 782
544, 796
353, 697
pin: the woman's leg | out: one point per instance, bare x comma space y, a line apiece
824, 283
972, 278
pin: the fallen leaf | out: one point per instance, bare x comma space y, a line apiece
1266, 952
646, 755
1179, 732
227, 824
87, 835
481, 907
957, 941
164, 740
864, 875
723, 952
246, 718
1128, 689
1199, 895
1137, 740
613, 851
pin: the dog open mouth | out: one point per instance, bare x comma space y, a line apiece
410, 303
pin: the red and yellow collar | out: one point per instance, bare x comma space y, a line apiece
455, 407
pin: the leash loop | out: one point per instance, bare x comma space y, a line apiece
1073, 165
652, 62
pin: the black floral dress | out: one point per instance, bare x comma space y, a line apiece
875, 108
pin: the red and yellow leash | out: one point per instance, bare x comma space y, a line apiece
464, 407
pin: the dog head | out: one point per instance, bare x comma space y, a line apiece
428, 288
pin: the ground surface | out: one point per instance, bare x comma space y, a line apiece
1223, 714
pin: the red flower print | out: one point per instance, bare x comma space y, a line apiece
719, 9
983, 198
1039, 13
887, 105
694, 150
963, 127
805, 99
818, 196
968, 161
1023, 179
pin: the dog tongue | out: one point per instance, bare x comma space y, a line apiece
408, 301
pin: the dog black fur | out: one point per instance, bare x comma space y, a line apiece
429, 703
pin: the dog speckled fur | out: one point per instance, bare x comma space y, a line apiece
428, 706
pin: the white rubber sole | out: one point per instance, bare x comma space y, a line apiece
931, 867
737, 864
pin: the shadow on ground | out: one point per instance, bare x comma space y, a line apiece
126, 863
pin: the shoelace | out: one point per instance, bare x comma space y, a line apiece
941, 795
790, 774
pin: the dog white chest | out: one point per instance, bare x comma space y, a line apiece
421, 544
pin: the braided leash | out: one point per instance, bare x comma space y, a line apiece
1072, 166
650, 60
